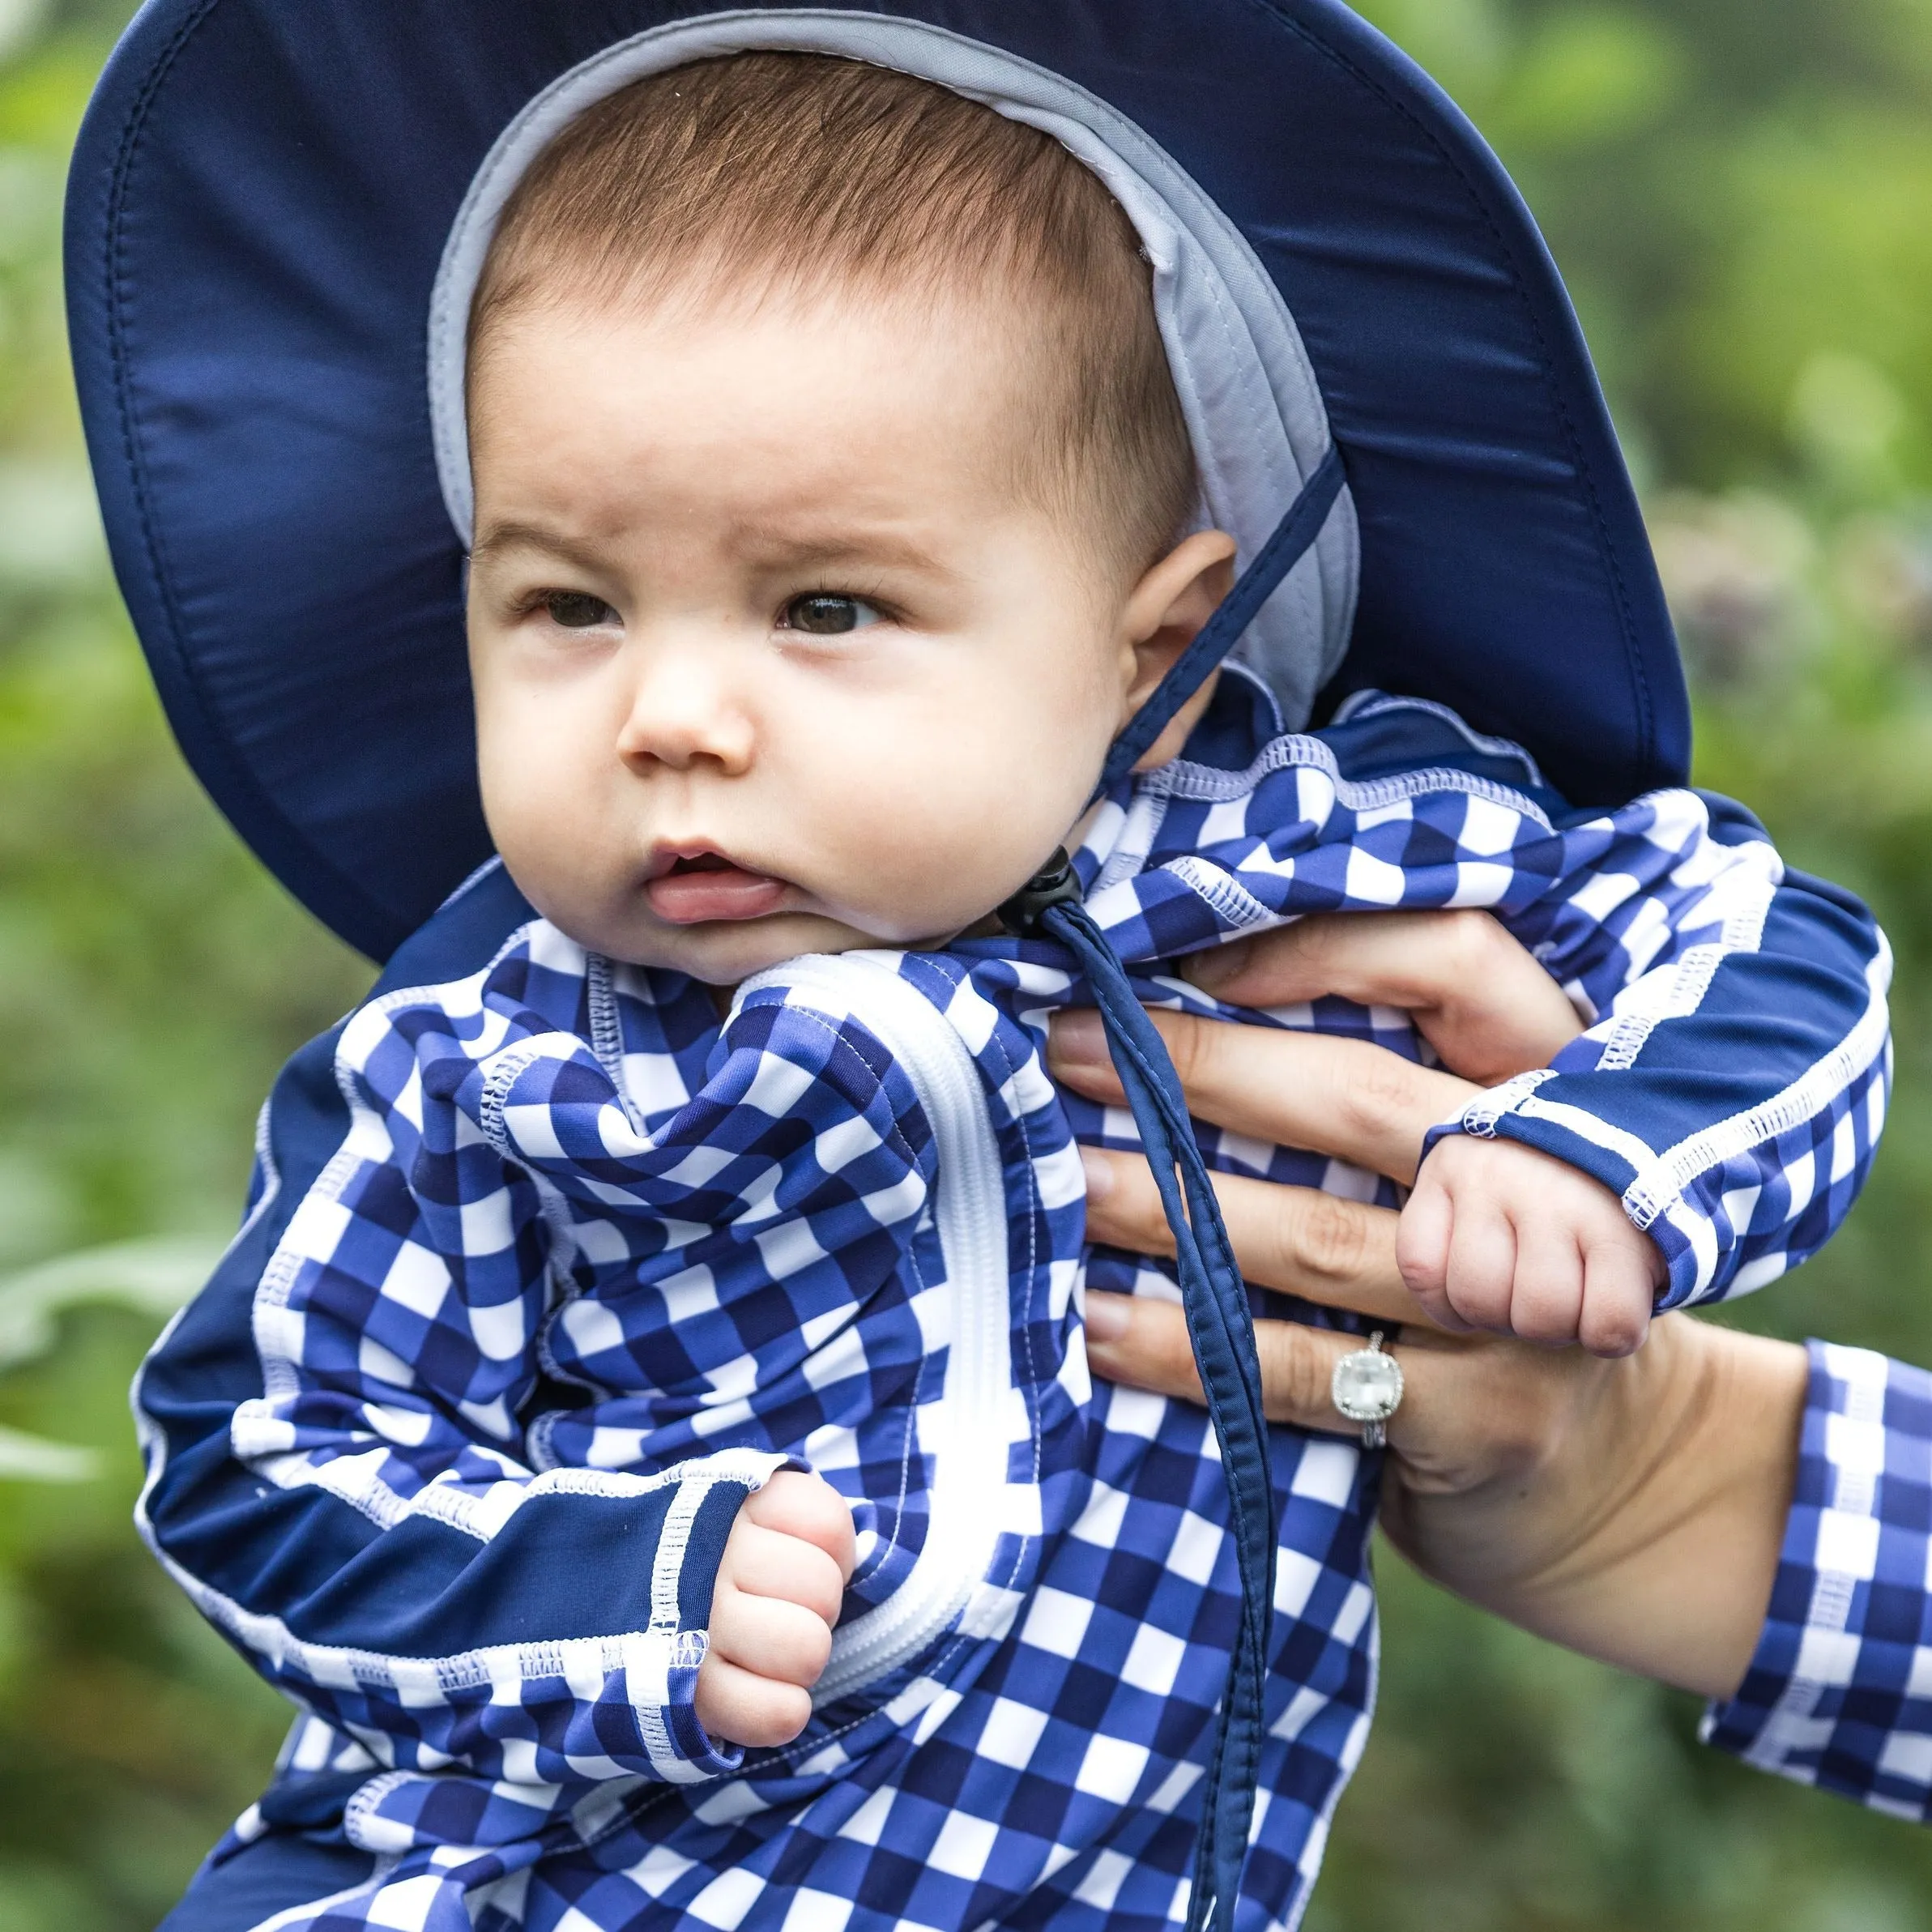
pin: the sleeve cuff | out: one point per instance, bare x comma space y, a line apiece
1518, 1111
1839, 1693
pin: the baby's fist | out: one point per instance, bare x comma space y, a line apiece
777, 1597
1497, 1235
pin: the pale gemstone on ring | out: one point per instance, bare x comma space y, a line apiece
1366, 1385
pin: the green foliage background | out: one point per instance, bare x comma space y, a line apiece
1740, 193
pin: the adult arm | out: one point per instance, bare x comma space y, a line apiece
1716, 1512
1632, 1509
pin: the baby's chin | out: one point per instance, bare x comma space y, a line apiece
723, 953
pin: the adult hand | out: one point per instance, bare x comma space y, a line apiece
1473, 994
1496, 1235
1631, 1509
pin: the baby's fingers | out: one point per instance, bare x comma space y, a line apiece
1547, 1302
769, 1563
1619, 1293
777, 1638
807, 1506
1424, 1232
1479, 1282
740, 1706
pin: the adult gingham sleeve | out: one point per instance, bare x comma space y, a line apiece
1840, 1691
346, 1468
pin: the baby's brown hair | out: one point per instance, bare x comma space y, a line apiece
807, 175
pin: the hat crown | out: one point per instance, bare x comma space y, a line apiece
271, 200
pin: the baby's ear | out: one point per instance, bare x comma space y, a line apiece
1166, 609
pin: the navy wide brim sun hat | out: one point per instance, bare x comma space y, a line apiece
277, 213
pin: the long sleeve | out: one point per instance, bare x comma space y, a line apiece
1840, 1692
1731, 1086
460, 1223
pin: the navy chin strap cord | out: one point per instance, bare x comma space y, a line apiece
1212, 1294
1235, 611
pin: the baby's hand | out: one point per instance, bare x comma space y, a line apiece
1498, 1236
778, 1589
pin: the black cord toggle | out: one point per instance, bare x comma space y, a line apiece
1055, 884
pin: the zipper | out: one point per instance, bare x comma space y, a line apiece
964, 1432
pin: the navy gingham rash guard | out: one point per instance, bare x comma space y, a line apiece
546, 1269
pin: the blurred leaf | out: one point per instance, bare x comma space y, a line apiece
26, 1458
155, 1278
1464, 44
18, 20
50, 535
1587, 76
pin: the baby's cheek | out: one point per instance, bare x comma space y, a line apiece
912, 851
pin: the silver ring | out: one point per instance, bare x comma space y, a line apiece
1366, 1388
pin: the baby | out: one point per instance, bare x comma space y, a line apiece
809, 588
660, 1349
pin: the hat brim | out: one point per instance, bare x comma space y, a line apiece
260, 198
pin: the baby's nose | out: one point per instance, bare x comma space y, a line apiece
682, 717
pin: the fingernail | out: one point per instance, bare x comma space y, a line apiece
1217, 965
1099, 1171
1076, 1039
1107, 1316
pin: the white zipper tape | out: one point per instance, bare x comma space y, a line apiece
963, 1432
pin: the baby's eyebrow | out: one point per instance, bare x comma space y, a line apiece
839, 552
531, 536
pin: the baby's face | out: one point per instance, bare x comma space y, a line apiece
770, 657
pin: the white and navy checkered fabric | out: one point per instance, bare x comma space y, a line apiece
546, 1269
1840, 1692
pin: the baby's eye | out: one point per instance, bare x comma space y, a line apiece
827, 614
577, 610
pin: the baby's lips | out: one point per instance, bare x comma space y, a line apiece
728, 892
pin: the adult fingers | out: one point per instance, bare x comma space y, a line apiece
741, 1707
1321, 1246
1144, 1344
1471, 1408
1480, 999
1348, 1099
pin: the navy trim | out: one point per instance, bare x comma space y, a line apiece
273, 1875
303, 1555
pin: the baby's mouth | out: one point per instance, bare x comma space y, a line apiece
691, 889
